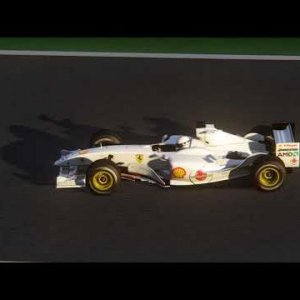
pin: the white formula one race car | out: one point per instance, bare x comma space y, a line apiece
212, 155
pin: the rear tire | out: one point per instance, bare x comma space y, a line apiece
268, 175
267, 132
262, 129
104, 139
103, 177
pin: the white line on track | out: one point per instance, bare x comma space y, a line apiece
14, 261
147, 55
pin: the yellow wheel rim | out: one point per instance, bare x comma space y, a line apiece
102, 180
269, 176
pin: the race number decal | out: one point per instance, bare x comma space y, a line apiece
288, 153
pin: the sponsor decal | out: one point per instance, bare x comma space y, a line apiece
288, 153
139, 158
287, 145
200, 175
178, 172
84, 151
294, 161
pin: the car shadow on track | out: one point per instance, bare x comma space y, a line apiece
33, 153
35, 150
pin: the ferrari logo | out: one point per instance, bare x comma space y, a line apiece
139, 157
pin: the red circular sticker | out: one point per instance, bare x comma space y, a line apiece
200, 175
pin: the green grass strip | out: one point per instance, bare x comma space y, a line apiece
256, 46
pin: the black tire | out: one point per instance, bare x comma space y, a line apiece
264, 130
105, 139
268, 174
267, 132
103, 177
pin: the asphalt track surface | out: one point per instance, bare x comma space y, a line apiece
51, 103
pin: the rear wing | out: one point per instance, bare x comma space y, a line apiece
287, 149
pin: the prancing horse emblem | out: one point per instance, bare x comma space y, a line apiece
139, 157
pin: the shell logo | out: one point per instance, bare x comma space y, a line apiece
178, 172
200, 175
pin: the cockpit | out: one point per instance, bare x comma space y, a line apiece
175, 143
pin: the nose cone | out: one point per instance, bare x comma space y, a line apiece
57, 162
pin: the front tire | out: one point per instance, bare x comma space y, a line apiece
269, 175
103, 177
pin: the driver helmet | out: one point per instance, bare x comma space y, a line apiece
184, 142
